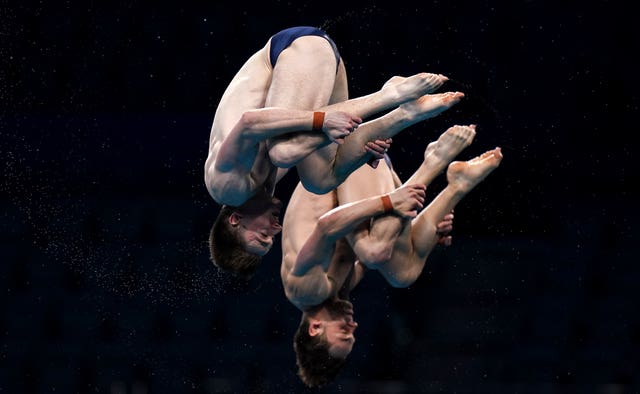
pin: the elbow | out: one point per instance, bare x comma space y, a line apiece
327, 227
248, 122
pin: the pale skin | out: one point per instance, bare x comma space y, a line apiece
395, 247
338, 330
306, 281
313, 225
310, 232
263, 123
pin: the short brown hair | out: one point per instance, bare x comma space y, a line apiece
227, 252
316, 366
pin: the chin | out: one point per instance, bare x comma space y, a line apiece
258, 251
262, 253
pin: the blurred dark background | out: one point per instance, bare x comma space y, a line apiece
104, 274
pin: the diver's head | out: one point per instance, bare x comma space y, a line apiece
323, 341
241, 235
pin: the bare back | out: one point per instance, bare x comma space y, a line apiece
300, 219
304, 77
247, 91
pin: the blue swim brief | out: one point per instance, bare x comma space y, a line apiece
281, 40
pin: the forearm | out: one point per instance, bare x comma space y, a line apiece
342, 266
358, 273
255, 127
264, 123
342, 220
374, 243
287, 150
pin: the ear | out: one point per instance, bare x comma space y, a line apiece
315, 327
234, 219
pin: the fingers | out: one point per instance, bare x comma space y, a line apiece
377, 155
445, 223
386, 144
444, 228
446, 240
416, 192
338, 125
418, 187
377, 146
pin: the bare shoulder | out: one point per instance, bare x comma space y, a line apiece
229, 188
307, 290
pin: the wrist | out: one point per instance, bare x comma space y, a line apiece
386, 203
318, 121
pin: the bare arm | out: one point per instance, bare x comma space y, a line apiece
398, 90
358, 273
333, 225
307, 282
262, 124
340, 221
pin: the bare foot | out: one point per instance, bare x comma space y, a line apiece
431, 105
465, 175
415, 86
439, 153
396, 79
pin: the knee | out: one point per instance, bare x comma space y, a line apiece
318, 186
280, 156
375, 254
403, 279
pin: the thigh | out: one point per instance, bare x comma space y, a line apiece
304, 75
367, 182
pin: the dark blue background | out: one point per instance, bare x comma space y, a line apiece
105, 280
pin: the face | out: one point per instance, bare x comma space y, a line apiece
339, 329
258, 222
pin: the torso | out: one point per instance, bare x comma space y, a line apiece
247, 91
300, 219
